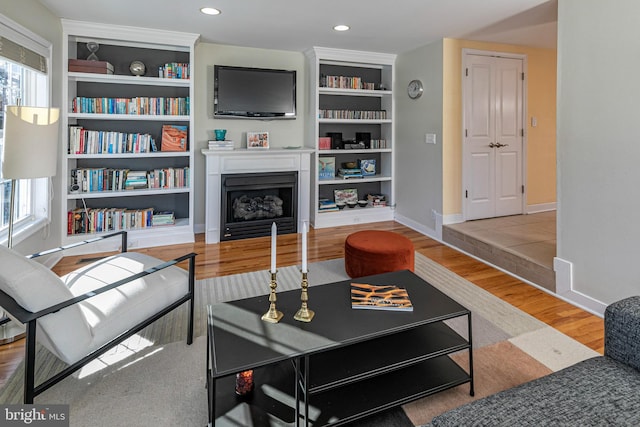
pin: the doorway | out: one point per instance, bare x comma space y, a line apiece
493, 137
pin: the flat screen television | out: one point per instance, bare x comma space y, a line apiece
252, 93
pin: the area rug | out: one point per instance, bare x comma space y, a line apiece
155, 379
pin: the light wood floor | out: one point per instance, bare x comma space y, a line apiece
254, 254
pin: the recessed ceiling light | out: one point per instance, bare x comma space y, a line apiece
210, 11
341, 27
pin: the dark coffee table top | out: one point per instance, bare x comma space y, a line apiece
241, 340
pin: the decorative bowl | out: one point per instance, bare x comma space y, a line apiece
363, 203
352, 204
340, 205
350, 165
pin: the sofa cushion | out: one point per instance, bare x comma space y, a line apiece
597, 391
622, 331
117, 310
35, 287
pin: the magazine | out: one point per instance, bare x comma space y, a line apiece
380, 297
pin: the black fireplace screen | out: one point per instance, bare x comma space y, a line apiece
252, 202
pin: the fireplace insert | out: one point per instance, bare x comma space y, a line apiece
252, 202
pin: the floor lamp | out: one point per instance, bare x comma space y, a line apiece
30, 151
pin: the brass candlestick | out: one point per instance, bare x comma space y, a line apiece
304, 314
273, 315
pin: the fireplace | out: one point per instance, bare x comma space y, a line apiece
251, 202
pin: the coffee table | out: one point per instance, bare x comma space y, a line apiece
343, 365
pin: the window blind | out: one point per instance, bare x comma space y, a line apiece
22, 55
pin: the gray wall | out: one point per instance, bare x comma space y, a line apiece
418, 165
597, 145
36, 18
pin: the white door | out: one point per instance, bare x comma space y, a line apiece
493, 137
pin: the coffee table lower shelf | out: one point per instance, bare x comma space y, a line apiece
273, 403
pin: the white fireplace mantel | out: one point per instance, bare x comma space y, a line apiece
221, 162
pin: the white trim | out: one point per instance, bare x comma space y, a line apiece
420, 228
453, 219
22, 35
542, 207
565, 290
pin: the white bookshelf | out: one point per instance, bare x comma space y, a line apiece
371, 67
120, 45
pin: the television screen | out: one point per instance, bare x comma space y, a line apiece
254, 92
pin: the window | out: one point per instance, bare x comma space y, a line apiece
23, 79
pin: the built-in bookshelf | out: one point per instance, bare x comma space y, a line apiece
116, 172
352, 125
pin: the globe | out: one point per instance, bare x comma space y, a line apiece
137, 68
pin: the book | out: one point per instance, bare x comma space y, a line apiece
379, 297
326, 167
326, 205
87, 66
174, 138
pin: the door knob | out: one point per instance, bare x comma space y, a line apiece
501, 145
492, 145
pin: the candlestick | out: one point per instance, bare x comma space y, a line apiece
304, 247
274, 233
304, 314
273, 315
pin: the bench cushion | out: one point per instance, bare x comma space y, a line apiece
116, 311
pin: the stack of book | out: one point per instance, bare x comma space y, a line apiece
135, 180
350, 173
86, 66
220, 145
163, 218
376, 200
327, 205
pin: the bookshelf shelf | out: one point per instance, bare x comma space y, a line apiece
352, 70
119, 46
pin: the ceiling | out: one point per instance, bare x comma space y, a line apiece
295, 25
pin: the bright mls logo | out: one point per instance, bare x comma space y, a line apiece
34, 415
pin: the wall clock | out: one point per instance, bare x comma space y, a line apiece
414, 89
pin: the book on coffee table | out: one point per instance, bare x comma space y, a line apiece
380, 297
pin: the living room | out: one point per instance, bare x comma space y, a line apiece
584, 270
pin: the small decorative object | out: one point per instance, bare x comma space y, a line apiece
244, 383
324, 143
93, 48
174, 138
273, 315
349, 165
258, 140
363, 203
367, 166
341, 205
137, 68
352, 204
304, 314
220, 134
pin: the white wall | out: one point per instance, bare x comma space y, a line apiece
418, 165
32, 15
597, 146
282, 133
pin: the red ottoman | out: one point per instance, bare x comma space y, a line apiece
373, 252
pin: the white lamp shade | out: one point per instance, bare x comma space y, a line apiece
30, 142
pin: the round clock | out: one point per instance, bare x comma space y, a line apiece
414, 89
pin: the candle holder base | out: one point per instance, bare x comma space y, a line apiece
304, 315
272, 316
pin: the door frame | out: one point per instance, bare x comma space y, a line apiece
525, 86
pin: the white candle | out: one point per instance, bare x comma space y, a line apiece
274, 233
304, 247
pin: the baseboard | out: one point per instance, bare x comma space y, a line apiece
542, 207
452, 219
420, 228
199, 229
565, 291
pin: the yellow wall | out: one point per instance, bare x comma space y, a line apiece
541, 103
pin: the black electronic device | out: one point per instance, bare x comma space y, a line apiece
336, 140
364, 138
254, 93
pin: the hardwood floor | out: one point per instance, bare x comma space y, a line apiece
253, 254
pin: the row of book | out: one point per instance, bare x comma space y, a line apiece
352, 114
159, 106
175, 70
84, 141
343, 82
88, 220
379, 143
86, 180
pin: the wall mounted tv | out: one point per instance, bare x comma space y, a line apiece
254, 93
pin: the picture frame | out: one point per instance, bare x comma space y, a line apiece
345, 195
258, 140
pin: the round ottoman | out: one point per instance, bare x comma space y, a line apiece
373, 252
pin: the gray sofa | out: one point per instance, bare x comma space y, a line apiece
601, 391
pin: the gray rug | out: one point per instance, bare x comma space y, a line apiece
155, 379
